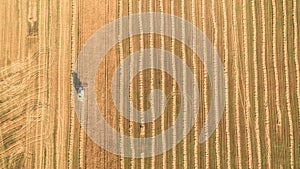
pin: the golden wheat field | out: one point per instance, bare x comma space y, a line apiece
257, 42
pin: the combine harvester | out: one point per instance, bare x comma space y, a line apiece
79, 86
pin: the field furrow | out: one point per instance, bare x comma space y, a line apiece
152, 81
247, 79
141, 87
265, 82
132, 90
205, 83
72, 112
287, 86
163, 84
274, 55
215, 42
237, 86
296, 53
256, 101
121, 57
195, 70
184, 56
226, 71
174, 109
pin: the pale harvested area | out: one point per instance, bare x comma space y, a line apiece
257, 40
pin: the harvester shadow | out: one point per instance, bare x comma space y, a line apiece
76, 81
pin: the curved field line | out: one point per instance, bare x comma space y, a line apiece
121, 50
296, 53
195, 70
215, 43
205, 83
2, 162
227, 123
274, 55
248, 104
30, 9
163, 85
287, 85
173, 86
256, 104
237, 86
265, 81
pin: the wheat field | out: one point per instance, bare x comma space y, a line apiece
258, 44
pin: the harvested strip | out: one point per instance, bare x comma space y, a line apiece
184, 86
152, 83
205, 83
248, 104
173, 86
237, 87
256, 104
195, 70
42, 83
217, 141
131, 128
265, 81
141, 80
72, 114
74, 54
227, 128
274, 55
121, 51
163, 85
296, 53
287, 86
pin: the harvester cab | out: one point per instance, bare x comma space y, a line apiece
80, 93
